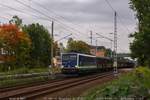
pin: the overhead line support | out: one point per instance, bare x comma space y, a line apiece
115, 44
52, 41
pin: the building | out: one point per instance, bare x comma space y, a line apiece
4, 57
57, 61
98, 51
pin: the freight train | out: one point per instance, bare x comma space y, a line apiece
77, 63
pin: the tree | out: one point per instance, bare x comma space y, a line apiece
70, 40
78, 46
16, 20
41, 44
15, 43
140, 47
108, 52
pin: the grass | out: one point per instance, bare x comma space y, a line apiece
24, 71
10, 81
31, 70
16, 82
135, 84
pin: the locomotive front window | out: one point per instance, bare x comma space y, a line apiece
69, 57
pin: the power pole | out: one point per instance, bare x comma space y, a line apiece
115, 44
111, 53
52, 37
91, 37
96, 48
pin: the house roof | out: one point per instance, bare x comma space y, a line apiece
98, 47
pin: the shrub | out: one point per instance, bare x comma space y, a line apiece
133, 85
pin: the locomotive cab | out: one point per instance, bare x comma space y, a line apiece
69, 63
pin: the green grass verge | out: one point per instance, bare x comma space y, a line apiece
135, 84
16, 82
31, 70
11, 81
24, 71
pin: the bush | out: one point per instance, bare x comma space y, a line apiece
133, 85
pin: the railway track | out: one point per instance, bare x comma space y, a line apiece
35, 91
9, 88
27, 85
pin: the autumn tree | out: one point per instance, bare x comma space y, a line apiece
40, 53
77, 46
140, 47
15, 43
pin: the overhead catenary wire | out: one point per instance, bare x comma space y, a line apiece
50, 18
103, 43
104, 37
118, 15
110, 5
64, 37
120, 19
66, 28
50, 10
23, 12
70, 22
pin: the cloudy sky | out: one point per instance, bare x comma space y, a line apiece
77, 17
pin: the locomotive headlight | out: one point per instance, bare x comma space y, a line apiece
62, 66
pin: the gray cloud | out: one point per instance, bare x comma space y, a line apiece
93, 15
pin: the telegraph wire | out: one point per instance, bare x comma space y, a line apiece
122, 23
46, 15
22, 11
48, 9
117, 15
34, 9
60, 17
6, 6
110, 5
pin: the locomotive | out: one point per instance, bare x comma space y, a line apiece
77, 63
